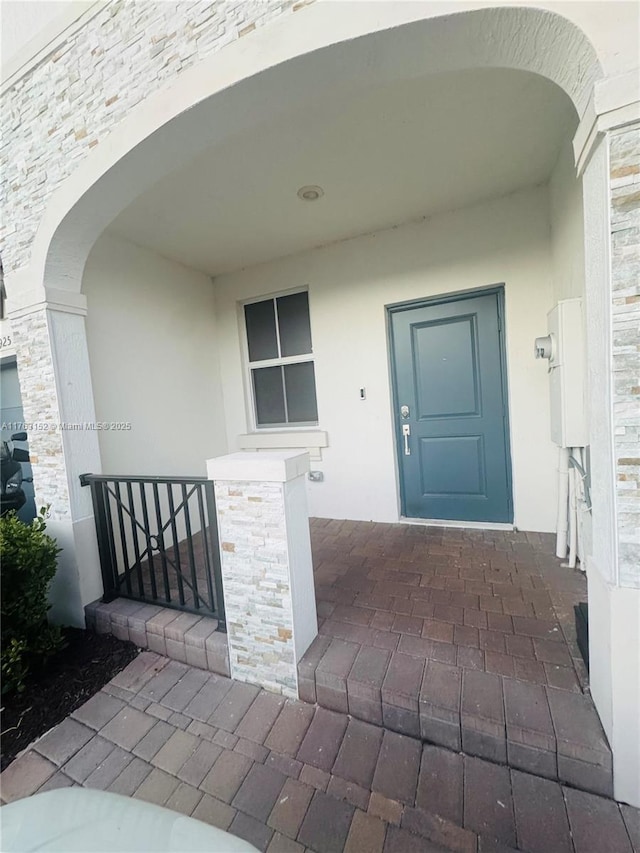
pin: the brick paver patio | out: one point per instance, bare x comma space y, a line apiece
498, 601
446, 708
464, 638
289, 776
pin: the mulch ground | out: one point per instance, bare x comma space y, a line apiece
86, 663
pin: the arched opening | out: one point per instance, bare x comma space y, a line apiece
437, 145
233, 93
439, 184
223, 101
416, 120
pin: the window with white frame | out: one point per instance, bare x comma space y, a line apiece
281, 367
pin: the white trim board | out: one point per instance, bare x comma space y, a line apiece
276, 440
439, 522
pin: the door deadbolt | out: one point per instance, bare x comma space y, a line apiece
404, 412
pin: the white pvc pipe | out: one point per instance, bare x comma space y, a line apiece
580, 506
573, 519
563, 503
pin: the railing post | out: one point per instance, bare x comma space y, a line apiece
107, 566
267, 573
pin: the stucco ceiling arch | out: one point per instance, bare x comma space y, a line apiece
331, 47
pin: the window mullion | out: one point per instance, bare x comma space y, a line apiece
287, 359
296, 359
275, 314
268, 362
284, 396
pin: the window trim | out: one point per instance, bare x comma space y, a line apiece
249, 366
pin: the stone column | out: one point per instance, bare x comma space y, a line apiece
48, 329
267, 573
612, 254
624, 170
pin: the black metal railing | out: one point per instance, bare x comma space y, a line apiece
158, 541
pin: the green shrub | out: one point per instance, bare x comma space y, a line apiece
29, 558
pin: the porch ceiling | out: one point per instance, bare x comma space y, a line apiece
391, 155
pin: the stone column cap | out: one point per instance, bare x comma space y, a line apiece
275, 466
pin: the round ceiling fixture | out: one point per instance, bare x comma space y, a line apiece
310, 193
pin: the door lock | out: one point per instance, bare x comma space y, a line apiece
404, 412
406, 432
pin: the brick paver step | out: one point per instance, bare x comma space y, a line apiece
490, 671
184, 637
531, 743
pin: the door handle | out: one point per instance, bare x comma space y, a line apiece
406, 432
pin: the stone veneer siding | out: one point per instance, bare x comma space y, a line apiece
624, 153
257, 591
40, 411
68, 103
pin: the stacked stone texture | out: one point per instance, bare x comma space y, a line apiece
625, 267
257, 592
69, 102
40, 407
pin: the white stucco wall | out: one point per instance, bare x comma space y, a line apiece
568, 273
506, 240
152, 348
567, 227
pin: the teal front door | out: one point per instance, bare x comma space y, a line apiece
451, 416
